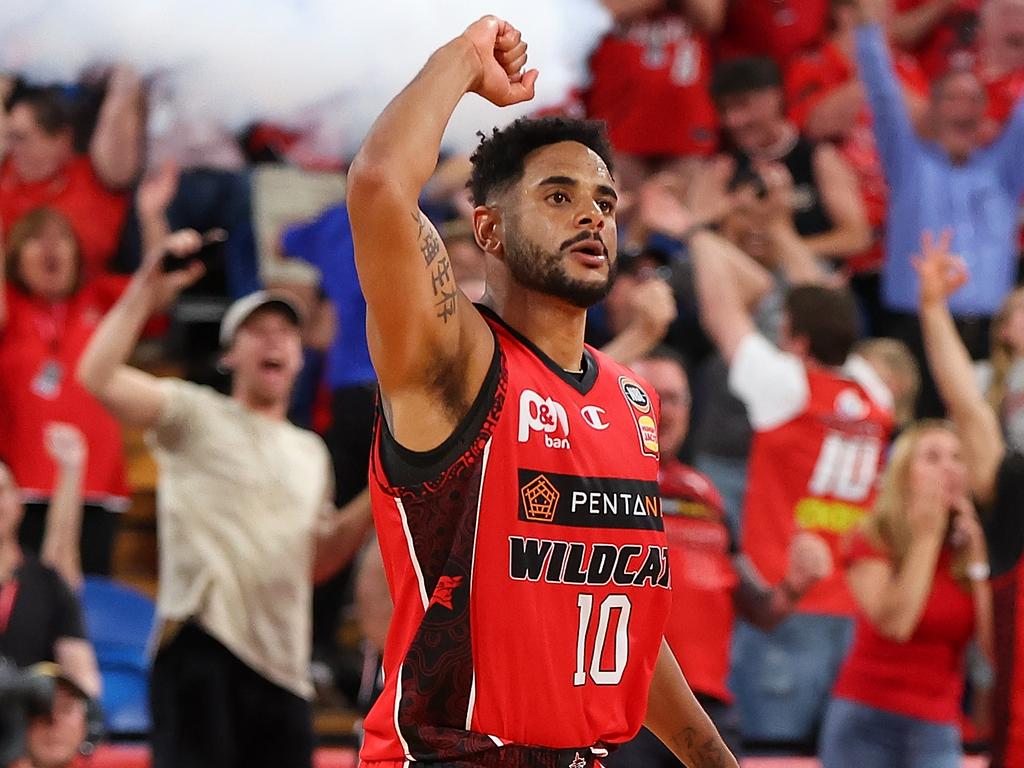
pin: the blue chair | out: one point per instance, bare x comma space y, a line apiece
119, 621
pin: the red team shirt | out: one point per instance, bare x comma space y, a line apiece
530, 574
39, 351
924, 676
951, 37
650, 80
703, 578
810, 79
820, 439
778, 29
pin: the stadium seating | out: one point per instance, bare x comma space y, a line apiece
119, 622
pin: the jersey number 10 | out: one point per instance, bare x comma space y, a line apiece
621, 606
846, 467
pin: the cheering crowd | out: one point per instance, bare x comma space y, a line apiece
819, 235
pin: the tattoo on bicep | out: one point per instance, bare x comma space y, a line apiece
429, 242
702, 753
442, 281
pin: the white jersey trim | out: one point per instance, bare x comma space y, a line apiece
398, 729
412, 553
472, 572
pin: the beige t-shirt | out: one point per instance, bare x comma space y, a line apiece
239, 500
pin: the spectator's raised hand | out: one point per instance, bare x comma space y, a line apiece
654, 307
810, 561
168, 268
872, 11
661, 208
666, 207
940, 272
708, 194
66, 445
502, 54
776, 205
157, 191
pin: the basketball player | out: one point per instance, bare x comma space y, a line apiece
514, 471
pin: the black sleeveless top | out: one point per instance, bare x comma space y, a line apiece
809, 215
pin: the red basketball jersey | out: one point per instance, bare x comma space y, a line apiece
703, 578
817, 471
530, 575
650, 80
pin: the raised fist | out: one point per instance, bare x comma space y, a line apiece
502, 53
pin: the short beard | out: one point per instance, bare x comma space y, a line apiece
543, 271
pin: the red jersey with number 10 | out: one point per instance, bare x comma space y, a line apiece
530, 575
817, 471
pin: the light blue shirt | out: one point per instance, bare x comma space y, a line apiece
977, 199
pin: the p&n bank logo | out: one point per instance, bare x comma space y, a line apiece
542, 414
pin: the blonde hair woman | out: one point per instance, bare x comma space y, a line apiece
917, 568
1002, 377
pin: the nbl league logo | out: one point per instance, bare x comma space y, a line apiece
643, 416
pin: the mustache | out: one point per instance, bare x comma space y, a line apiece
581, 237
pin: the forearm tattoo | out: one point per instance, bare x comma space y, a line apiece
441, 279
701, 752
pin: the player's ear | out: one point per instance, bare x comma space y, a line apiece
487, 229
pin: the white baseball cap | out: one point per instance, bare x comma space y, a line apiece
242, 309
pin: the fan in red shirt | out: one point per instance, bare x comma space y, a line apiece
778, 29
47, 315
918, 570
826, 101
1000, 58
649, 83
997, 483
822, 420
41, 167
939, 33
712, 581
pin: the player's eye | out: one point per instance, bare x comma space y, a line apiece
558, 198
606, 206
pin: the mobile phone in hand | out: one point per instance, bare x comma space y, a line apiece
211, 250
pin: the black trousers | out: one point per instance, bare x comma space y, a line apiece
99, 526
974, 332
212, 711
348, 440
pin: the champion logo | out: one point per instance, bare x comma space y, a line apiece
578, 762
592, 415
542, 414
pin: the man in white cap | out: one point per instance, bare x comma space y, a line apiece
245, 525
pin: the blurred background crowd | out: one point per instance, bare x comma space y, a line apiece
859, 167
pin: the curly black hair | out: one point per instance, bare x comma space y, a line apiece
500, 158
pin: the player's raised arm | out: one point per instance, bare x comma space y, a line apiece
430, 348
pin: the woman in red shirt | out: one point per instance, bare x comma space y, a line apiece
917, 568
47, 315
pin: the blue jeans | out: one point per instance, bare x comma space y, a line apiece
729, 476
858, 736
783, 679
